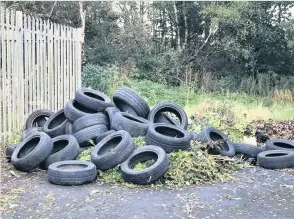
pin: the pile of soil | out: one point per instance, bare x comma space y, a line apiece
271, 129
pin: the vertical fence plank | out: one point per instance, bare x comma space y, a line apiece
67, 65
30, 81
9, 59
13, 74
20, 69
26, 71
59, 90
49, 103
48, 93
55, 67
2, 75
79, 58
52, 68
44, 70
53, 75
41, 66
75, 58
33, 73
71, 78
38, 79
62, 62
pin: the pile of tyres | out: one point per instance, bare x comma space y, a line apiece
53, 140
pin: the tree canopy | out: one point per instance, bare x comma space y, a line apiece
167, 40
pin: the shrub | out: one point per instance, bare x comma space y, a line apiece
98, 77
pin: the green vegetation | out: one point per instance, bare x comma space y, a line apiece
230, 112
85, 154
213, 46
139, 141
143, 165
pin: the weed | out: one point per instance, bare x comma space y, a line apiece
196, 166
144, 165
14, 138
85, 154
111, 176
139, 141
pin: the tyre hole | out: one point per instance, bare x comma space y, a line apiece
168, 115
28, 147
167, 131
284, 145
95, 96
132, 118
109, 145
57, 121
72, 166
123, 106
143, 160
40, 121
82, 108
220, 140
59, 145
275, 154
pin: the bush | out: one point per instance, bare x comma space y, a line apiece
98, 77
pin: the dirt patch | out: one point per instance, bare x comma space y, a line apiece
13, 184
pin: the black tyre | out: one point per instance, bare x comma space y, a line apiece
32, 152
276, 159
90, 133
38, 118
279, 144
169, 137
193, 136
90, 120
9, 151
26, 133
112, 150
103, 135
147, 175
93, 99
73, 110
247, 150
134, 125
163, 118
65, 147
72, 172
55, 126
127, 100
210, 134
68, 128
166, 107
110, 111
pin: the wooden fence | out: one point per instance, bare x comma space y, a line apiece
40, 67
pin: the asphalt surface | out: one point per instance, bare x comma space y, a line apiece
257, 193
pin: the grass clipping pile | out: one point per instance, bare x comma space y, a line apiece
192, 167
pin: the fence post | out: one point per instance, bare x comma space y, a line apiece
20, 80
79, 56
